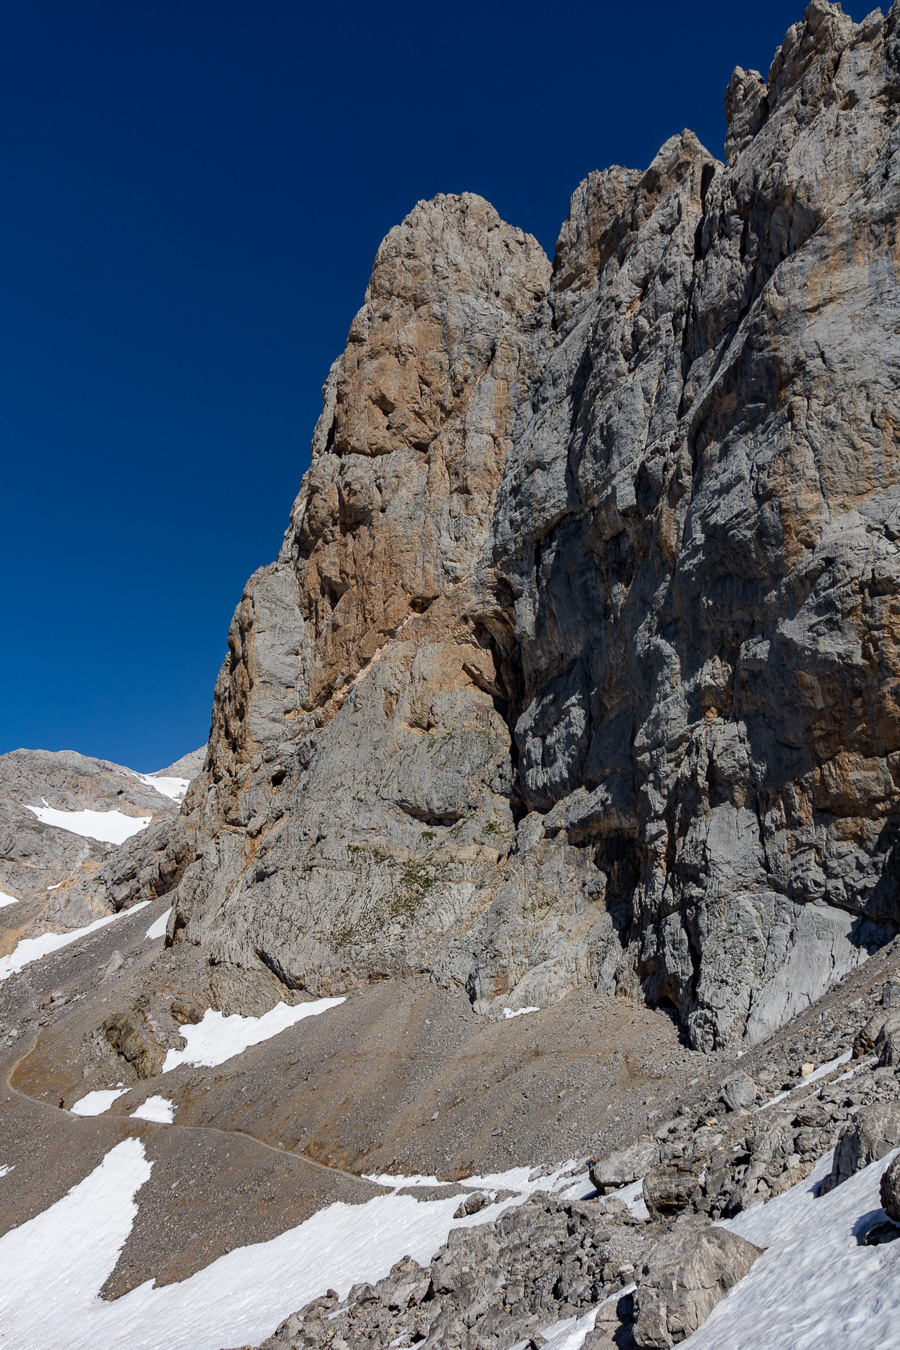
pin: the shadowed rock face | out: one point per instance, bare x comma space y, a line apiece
580, 658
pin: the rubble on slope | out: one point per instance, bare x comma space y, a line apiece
557, 1257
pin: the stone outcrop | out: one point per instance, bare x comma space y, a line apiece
887, 1042
685, 1275
872, 1134
136, 1047
890, 1191
579, 661
624, 1166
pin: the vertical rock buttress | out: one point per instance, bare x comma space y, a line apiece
579, 661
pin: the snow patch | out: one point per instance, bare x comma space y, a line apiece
813, 1077
55, 1264
814, 1285
520, 1012
34, 949
95, 1103
217, 1038
394, 1181
7, 899
109, 827
156, 1108
522, 1180
866, 1063
633, 1197
173, 788
824, 1069
514, 1179
571, 1333
5, 1170
158, 927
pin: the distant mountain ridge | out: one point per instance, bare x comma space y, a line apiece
60, 815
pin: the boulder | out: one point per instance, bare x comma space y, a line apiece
612, 1328
872, 1134
472, 1204
624, 1166
890, 1191
186, 1009
880, 1233
864, 1042
890, 994
739, 1092
683, 1278
112, 967
887, 1042
671, 1188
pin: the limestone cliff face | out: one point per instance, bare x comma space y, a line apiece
580, 658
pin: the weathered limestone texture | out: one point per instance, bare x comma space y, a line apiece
580, 658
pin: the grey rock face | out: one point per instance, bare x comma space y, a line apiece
660, 485
890, 1191
625, 1166
871, 1135
685, 1275
580, 657
887, 1042
187, 767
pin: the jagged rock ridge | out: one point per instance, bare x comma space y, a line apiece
579, 660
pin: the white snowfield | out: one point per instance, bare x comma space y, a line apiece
34, 949
7, 899
571, 1333
174, 788
394, 1181
633, 1197
54, 1265
158, 1109
523, 1180
814, 1287
109, 827
520, 1012
4, 1170
95, 1103
217, 1038
157, 929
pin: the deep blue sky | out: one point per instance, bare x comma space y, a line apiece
194, 191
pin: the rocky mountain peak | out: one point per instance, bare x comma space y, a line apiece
579, 660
